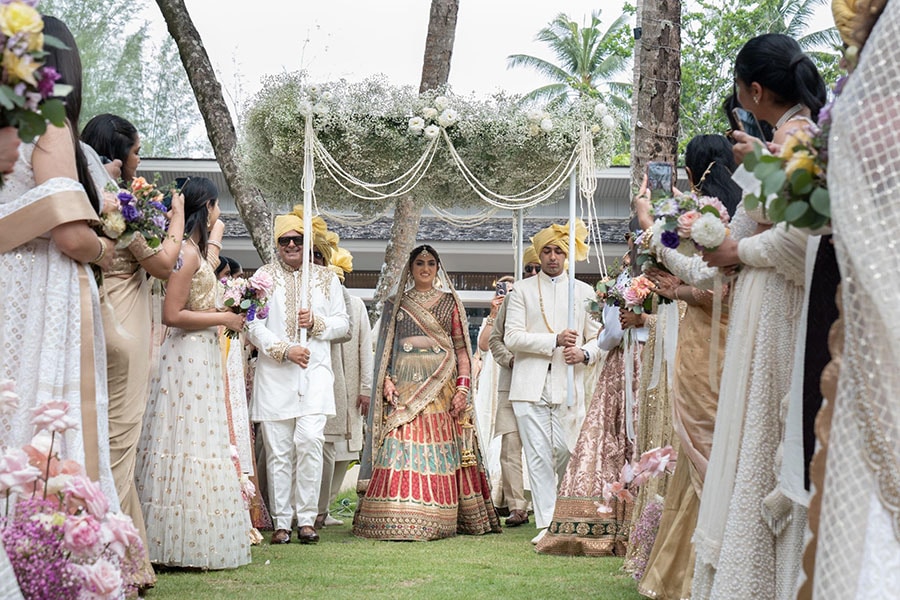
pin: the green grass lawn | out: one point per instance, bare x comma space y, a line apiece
495, 567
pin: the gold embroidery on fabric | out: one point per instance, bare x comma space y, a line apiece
407, 347
278, 350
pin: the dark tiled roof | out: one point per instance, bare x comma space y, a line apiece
436, 230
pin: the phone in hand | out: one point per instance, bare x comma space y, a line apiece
747, 123
174, 188
502, 288
660, 179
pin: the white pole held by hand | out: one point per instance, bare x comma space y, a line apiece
308, 183
570, 369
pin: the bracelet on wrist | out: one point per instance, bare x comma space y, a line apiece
101, 254
215, 243
463, 381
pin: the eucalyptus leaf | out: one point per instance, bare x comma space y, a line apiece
245, 304
795, 211
775, 209
54, 111
774, 182
801, 182
765, 168
821, 202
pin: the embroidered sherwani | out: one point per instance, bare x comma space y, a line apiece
293, 403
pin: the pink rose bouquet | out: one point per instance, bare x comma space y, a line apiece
688, 223
248, 296
61, 539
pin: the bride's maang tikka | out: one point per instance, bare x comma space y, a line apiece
424, 254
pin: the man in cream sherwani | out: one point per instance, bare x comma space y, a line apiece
543, 345
293, 390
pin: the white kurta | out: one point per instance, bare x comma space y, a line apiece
277, 384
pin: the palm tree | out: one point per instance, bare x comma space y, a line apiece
588, 60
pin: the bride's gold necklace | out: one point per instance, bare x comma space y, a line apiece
422, 296
541, 299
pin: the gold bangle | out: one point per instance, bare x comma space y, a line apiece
215, 243
102, 252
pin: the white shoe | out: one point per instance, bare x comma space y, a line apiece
331, 521
539, 536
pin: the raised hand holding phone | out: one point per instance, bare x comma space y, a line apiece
660, 179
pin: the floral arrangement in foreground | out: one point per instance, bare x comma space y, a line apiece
653, 463
377, 131
61, 538
688, 223
247, 297
140, 212
642, 537
27, 86
601, 290
628, 293
794, 184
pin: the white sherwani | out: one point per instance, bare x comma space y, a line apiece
538, 310
293, 403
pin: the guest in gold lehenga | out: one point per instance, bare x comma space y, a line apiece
127, 318
670, 567
421, 472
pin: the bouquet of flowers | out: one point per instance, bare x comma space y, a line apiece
794, 184
61, 539
26, 84
688, 223
248, 296
631, 293
140, 211
595, 305
653, 463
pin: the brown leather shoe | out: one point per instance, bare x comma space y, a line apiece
281, 536
320, 522
516, 518
307, 535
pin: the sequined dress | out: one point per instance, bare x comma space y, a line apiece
190, 492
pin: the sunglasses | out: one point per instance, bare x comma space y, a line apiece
318, 255
532, 269
286, 240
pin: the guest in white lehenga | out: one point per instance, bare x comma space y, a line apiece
749, 539
51, 338
190, 492
858, 550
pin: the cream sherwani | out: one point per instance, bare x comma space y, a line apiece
292, 403
352, 359
538, 310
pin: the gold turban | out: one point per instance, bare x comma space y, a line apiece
558, 235
341, 262
530, 256
327, 244
293, 221
845, 18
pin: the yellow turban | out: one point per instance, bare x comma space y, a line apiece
846, 18
293, 221
530, 256
341, 262
558, 235
327, 244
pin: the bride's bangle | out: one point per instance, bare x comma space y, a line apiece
101, 254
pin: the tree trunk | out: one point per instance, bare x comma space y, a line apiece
219, 125
657, 86
407, 212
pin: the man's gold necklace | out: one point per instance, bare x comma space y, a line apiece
541, 299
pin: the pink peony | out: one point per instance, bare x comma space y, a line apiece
685, 221
262, 281
82, 535
102, 579
119, 533
16, 473
618, 491
80, 491
53, 416
9, 399
603, 509
716, 204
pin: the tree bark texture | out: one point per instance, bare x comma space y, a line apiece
657, 86
407, 212
219, 126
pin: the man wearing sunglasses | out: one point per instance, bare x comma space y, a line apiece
293, 390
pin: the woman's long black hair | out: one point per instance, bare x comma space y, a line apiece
198, 192
711, 163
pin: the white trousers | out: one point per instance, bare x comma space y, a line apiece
294, 468
332, 477
546, 452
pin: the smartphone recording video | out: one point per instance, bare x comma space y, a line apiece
502, 288
174, 187
748, 123
660, 179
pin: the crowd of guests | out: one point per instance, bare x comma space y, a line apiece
184, 405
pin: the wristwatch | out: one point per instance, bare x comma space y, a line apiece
587, 357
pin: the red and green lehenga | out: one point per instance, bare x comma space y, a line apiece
422, 474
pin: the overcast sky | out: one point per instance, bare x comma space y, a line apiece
332, 39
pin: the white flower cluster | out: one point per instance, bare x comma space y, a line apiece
441, 112
708, 231
315, 101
